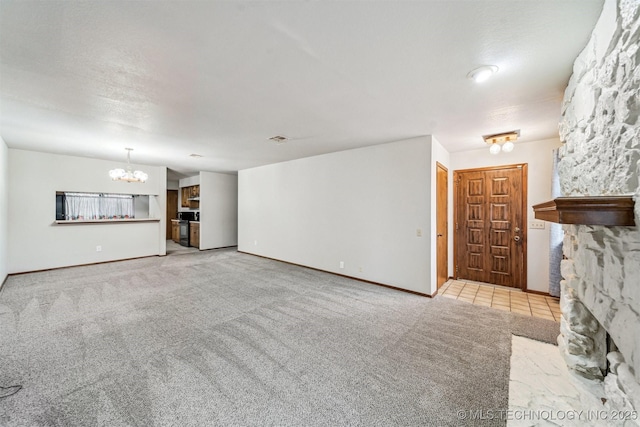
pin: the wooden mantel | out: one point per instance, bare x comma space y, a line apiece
589, 210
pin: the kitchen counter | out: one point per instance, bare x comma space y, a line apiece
105, 221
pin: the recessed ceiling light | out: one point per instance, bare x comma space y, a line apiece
278, 139
483, 73
195, 155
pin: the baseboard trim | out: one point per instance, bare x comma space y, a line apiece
529, 291
80, 265
344, 275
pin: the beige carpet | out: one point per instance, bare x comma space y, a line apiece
224, 338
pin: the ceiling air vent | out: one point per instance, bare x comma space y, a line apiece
278, 139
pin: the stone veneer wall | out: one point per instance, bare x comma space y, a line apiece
601, 156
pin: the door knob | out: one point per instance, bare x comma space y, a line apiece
517, 229
516, 238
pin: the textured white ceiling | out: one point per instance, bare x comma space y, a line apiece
218, 78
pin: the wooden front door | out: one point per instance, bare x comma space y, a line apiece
442, 242
490, 227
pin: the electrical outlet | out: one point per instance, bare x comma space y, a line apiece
98, 248
341, 264
419, 232
536, 225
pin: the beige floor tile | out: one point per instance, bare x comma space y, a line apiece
465, 299
483, 303
534, 295
500, 302
539, 304
466, 293
493, 304
446, 295
482, 298
515, 310
484, 292
544, 316
520, 303
501, 307
542, 310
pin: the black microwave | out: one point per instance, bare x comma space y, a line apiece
187, 216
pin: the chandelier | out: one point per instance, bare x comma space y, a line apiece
120, 174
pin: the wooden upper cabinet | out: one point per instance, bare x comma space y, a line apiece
187, 193
184, 197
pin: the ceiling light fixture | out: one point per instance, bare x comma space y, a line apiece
505, 138
278, 139
483, 73
120, 174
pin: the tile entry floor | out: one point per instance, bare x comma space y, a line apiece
502, 298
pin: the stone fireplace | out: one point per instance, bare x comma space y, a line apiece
600, 128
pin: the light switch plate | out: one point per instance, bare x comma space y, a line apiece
536, 225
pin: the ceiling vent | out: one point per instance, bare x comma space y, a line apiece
279, 139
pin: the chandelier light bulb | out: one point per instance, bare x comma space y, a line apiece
494, 149
507, 147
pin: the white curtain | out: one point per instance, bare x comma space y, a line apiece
98, 206
556, 234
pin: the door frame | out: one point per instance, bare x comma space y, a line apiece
525, 221
446, 214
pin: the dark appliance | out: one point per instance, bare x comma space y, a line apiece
184, 218
60, 206
184, 232
187, 216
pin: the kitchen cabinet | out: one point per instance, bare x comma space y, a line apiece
175, 231
190, 197
194, 234
184, 197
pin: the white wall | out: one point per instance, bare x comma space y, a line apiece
538, 156
360, 206
218, 210
4, 211
36, 242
